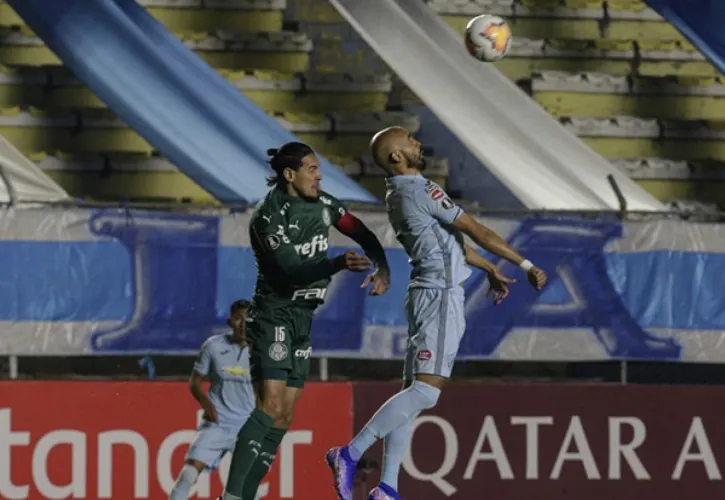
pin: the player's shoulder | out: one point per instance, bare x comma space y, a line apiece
326, 198
433, 189
266, 210
213, 341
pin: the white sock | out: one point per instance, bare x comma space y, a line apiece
229, 496
185, 481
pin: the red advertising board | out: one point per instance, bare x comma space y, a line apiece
127, 440
556, 441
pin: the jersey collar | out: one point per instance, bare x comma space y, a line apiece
397, 180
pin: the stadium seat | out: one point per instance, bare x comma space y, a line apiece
601, 94
241, 50
20, 46
47, 130
120, 177
197, 15
21, 88
627, 137
55, 87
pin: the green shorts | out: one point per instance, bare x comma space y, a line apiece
279, 343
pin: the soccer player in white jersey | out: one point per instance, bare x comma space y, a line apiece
429, 226
223, 359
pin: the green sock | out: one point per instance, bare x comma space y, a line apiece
264, 462
247, 449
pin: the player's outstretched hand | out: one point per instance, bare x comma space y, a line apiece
536, 277
353, 261
498, 286
380, 280
210, 414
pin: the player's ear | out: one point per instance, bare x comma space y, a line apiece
288, 174
395, 157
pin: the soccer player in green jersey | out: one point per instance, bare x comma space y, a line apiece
289, 233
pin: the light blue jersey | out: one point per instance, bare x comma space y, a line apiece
421, 214
227, 366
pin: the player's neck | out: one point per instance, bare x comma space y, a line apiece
405, 171
288, 190
236, 339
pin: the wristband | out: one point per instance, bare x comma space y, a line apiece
526, 266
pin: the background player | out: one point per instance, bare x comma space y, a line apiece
289, 234
224, 359
428, 225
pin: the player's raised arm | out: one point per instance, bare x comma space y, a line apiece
438, 204
488, 240
274, 248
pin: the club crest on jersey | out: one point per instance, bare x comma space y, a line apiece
326, 219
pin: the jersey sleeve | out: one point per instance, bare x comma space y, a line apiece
436, 202
338, 211
278, 256
202, 365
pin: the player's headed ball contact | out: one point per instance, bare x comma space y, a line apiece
488, 38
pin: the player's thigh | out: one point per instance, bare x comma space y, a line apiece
436, 323
301, 350
210, 444
269, 346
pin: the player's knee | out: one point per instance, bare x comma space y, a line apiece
274, 407
285, 421
426, 394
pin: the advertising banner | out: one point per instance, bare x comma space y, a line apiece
127, 440
561, 441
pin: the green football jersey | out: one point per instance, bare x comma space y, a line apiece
289, 236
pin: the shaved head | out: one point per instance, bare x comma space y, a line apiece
396, 151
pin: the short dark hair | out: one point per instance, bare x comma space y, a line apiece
290, 155
239, 304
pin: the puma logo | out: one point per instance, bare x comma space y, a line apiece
268, 218
224, 352
296, 225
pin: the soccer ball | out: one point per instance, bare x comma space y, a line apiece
488, 38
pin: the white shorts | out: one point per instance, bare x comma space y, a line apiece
436, 324
211, 443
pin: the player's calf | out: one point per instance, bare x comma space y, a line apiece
186, 480
399, 409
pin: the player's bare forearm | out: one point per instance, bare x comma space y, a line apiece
197, 390
475, 259
487, 238
356, 230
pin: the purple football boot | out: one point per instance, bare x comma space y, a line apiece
343, 470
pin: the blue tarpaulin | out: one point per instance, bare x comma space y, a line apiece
177, 102
138, 282
700, 21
